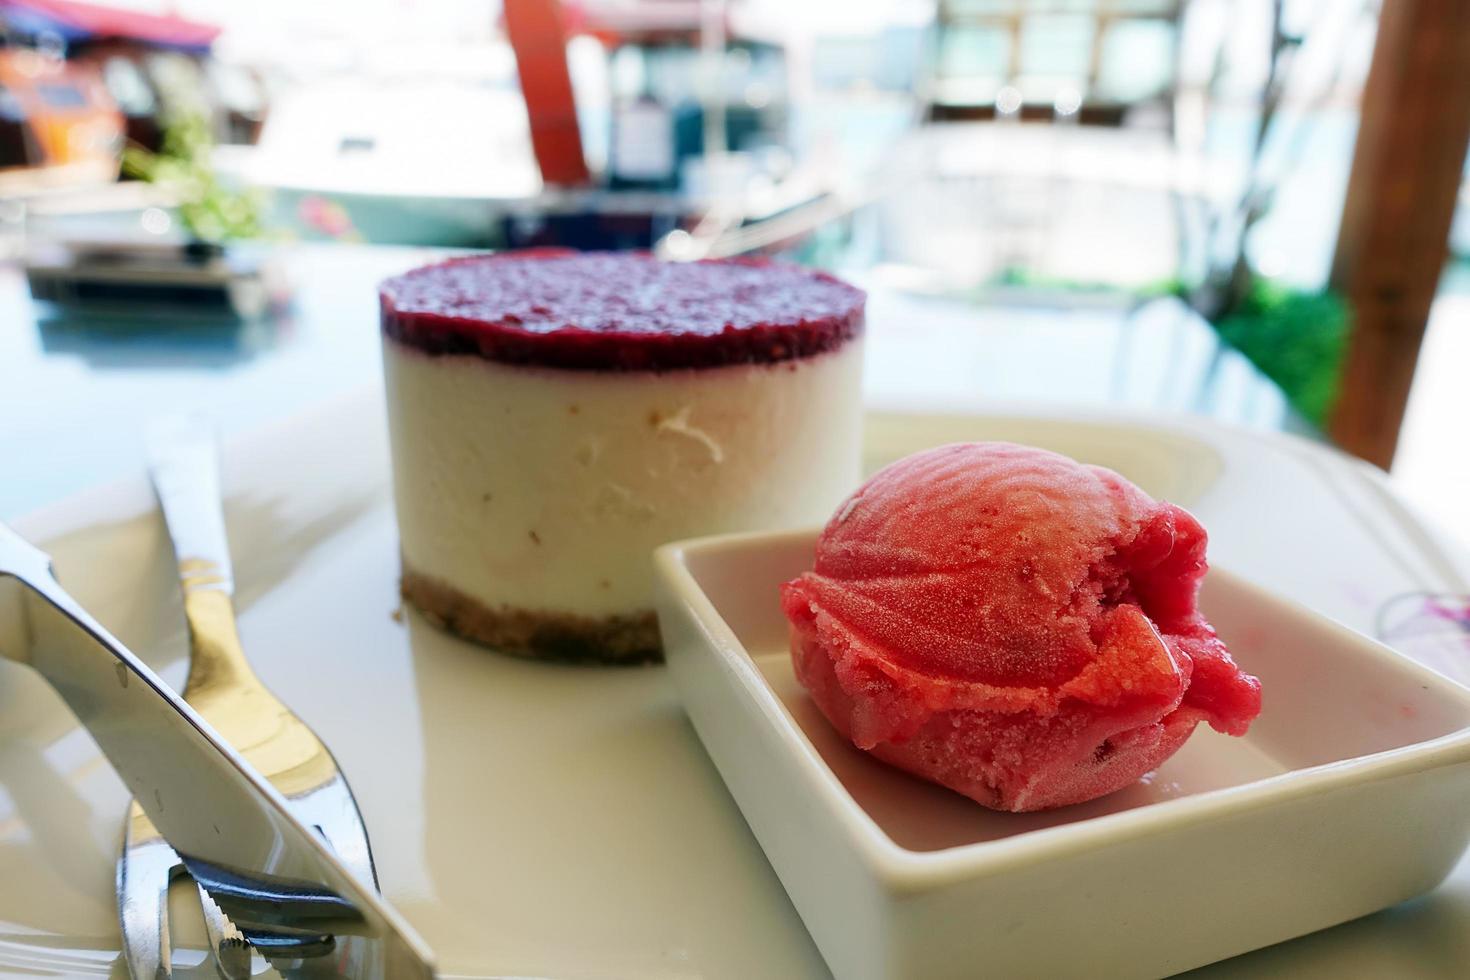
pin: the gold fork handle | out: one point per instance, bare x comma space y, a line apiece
184, 466
224, 689
182, 460
218, 670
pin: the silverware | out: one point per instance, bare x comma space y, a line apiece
221, 686
237, 836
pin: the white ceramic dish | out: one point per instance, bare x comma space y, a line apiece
1351, 793
555, 822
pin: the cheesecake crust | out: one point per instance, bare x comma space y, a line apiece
535, 634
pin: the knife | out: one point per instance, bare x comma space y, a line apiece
234, 832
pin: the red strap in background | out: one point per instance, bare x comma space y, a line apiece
539, 37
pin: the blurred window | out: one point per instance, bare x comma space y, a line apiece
235, 87
1057, 44
672, 74
1137, 60
1136, 7
629, 78
839, 62
59, 95
975, 51
128, 87
985, 6
179, 81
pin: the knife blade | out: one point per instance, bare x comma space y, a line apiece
234, 831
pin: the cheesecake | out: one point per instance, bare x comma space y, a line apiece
556, 416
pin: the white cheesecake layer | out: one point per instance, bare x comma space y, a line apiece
547, 490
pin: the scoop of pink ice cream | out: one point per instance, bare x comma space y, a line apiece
1014, 625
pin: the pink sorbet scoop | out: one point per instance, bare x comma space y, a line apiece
1014, 625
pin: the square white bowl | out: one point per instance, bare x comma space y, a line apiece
1351, 793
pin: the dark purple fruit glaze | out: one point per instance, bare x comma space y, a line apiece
619, 311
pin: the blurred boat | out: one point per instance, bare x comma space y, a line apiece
114, 74
588, 127
199, 282
58, 124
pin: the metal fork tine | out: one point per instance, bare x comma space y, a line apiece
142, 899
145, 869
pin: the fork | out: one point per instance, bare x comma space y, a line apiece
223, 689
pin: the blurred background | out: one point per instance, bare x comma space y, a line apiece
1255, 210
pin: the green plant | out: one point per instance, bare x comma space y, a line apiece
1295, 337
209, 210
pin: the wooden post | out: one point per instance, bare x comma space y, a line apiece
1392, 246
